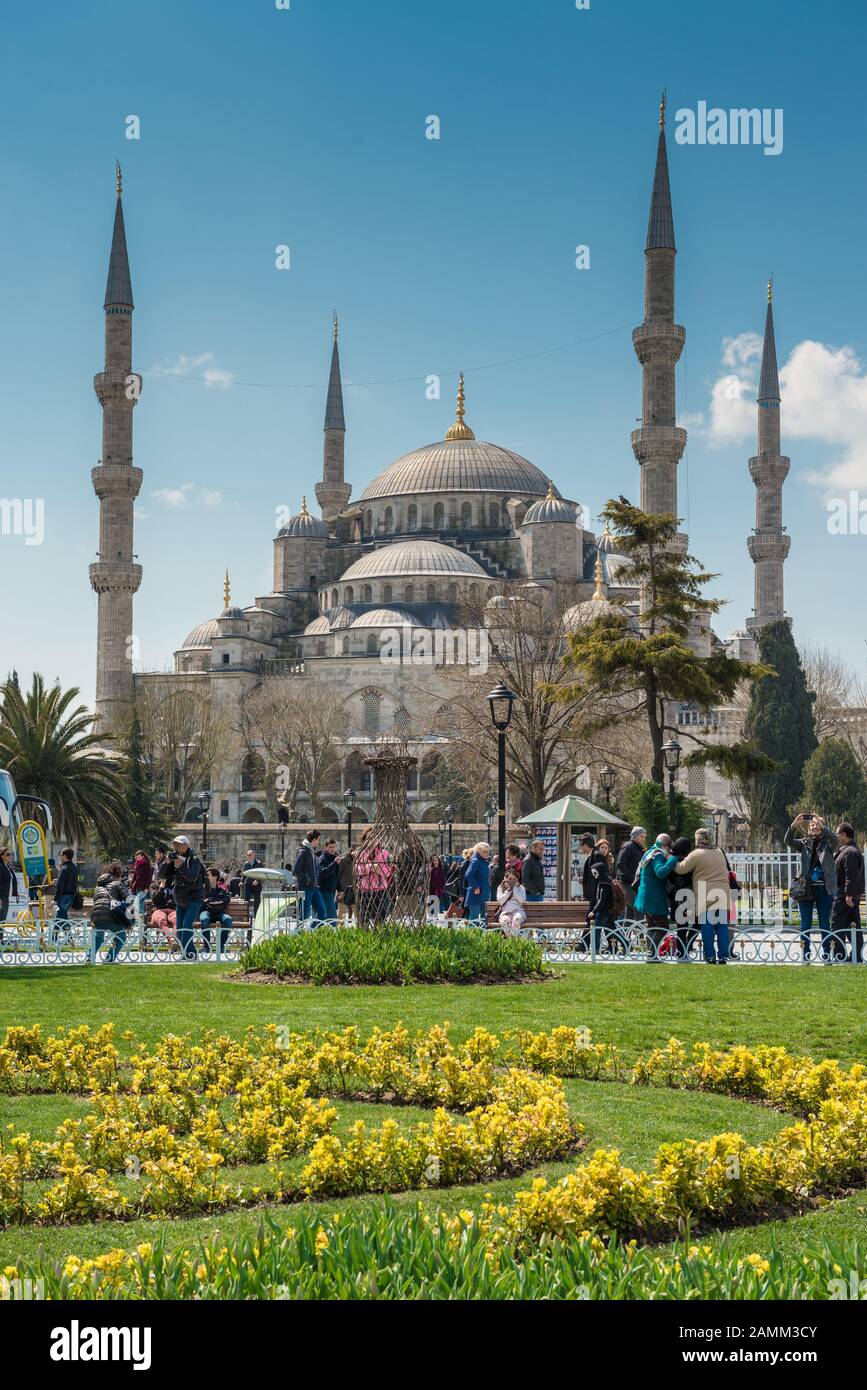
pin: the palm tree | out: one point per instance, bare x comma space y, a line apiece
47, 744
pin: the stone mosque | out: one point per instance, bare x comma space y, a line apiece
447, 524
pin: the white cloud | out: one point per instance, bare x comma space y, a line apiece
200, 367
188, 494
823, 398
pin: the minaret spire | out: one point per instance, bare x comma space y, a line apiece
115, 577
460, 429
333, 492
769, 544
658, 343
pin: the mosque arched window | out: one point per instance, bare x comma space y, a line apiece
335, 599
372, 644
439, 516
348, 594
320, 648
452, 593
368, 523
409, 594
386, 593
466, 515
389, 519
401, 721
356, 776
474, 593
431, 593
412, 517
371, 713
345, 646
494, 515
367, 594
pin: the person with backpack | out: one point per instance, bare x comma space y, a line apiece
189, 889
65, 891
711, 895
216, 908
845, 913
652, 896
109, 910
682, 914
456, 884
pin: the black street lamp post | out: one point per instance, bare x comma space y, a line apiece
716, 816
607, 779
349, 800
501, 700
204, 807
671, 752
442, 829
448, 817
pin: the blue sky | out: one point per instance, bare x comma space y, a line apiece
306, 127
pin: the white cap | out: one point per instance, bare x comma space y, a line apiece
181, 840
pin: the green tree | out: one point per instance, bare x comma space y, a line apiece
646, 803
780, 722
47, 743
835, 785
148, 822
639, 674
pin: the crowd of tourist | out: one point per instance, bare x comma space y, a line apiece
676, 890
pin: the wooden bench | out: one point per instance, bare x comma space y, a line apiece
549, 913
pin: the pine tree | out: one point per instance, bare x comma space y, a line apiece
835, 785
642, 674
780, 722
148, 823
646, 804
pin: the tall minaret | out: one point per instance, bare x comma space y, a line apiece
333, 493
769, 544
115, 577
658, 343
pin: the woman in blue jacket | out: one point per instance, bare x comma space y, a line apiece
478, 883
652, 895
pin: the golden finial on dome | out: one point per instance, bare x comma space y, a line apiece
119, 175
226, 591
662, 108
459, 429
770, 288
597, 592
549, 495
304, 511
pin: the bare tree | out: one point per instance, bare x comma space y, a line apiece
182, 733
753, 801
832, 682
523, 637
299, 744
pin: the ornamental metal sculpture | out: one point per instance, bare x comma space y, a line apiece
389, 862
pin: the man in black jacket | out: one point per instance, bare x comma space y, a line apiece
8, 885
327, 872
533, 872
306, 872
628, 860
845, 915
189, 891
65, 890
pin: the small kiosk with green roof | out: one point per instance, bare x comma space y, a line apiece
558, 826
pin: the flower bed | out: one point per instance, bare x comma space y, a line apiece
393, 955
186, 1113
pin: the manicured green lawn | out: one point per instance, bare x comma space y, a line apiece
819, 1012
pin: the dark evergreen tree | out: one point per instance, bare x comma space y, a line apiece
834, 784
780, 722
148, 820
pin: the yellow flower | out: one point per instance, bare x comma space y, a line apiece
321, 1241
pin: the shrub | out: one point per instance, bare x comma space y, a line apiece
393, 955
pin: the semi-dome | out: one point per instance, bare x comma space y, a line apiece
551, 508
386, 617
318, 628
303, 524
414, 557
203, 635
458, 463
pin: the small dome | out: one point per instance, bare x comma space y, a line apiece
607, 543
303, 524
232, 612
411, 558
202, 635
386, 617
340, 617
551, 508
738, 632
318, 627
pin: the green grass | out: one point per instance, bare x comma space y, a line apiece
394, 956
818, 1012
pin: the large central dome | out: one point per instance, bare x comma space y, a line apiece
414, 557
459, 463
